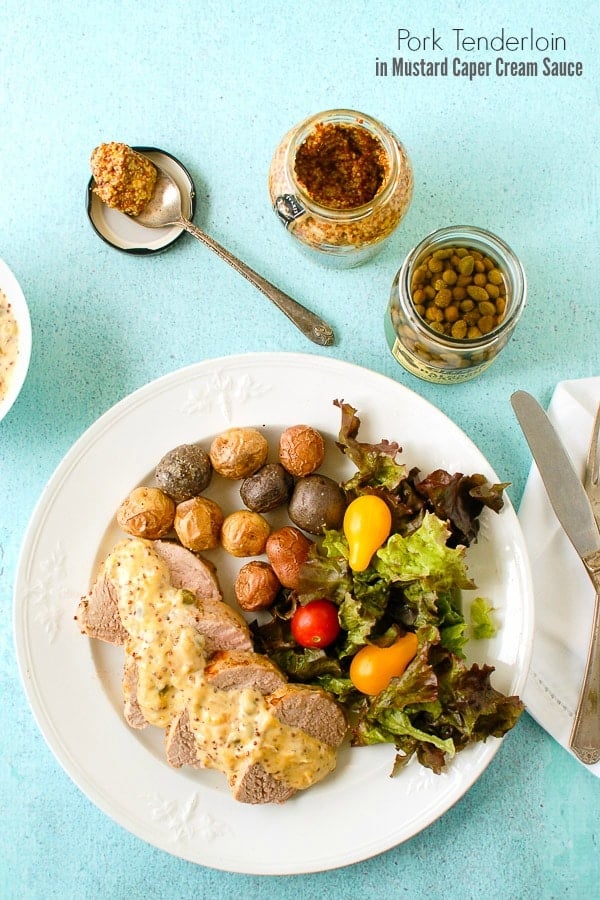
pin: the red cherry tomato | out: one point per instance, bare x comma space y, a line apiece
316, 624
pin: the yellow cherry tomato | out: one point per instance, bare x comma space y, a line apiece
367, 525
372, 669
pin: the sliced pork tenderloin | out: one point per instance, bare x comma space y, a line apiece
98, 612
313, 711
180, 744
241, 668
189, 571
226, 670
220, 625
310, 709
131, 708
256, 785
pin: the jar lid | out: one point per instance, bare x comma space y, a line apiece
122, 232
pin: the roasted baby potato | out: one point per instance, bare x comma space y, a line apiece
184, 472
245, 533
301, 449
238, 452
198, 523
146, 513
318, 503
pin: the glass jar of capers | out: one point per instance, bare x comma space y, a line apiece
454, 304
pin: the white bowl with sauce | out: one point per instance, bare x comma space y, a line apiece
15, 352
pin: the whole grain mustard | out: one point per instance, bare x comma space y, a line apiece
125, 180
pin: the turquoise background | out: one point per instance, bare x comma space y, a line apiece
217, 84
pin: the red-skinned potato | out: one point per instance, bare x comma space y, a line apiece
287, 550
256, 586
301, 449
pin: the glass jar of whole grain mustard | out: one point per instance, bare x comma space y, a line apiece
340, 182
454, 304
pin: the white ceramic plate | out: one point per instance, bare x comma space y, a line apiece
123, 232
73, 684
10, 286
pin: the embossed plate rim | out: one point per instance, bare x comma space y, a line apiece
357, 812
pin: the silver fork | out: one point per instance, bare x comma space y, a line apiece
585, 733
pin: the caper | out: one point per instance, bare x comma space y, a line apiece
477, 293
486, 308
459, 329
443, 298
486, 324
465, 266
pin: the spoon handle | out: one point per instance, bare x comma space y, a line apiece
314, 328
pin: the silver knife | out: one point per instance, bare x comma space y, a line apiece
574, 512
588, 699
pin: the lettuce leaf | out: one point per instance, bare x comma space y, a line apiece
425, 556
376, 463
459, 499
306, 665
481, 619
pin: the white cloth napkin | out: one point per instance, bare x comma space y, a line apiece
564, 596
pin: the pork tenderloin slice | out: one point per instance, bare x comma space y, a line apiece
256, 785
223, 630
180, 744
253, 785
229, 669
312, 710
189, 571
98, 611
131, 708
98, 615
222, 627
226, 670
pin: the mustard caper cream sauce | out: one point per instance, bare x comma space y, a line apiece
232, 728
9, 343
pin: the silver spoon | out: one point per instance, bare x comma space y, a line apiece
165, 209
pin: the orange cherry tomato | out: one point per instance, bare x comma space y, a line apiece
372, 669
